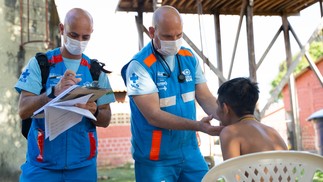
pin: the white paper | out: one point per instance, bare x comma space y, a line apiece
38, 113
60, 116
57, 121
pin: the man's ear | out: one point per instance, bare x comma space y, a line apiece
226, 109
151, 32
61, 29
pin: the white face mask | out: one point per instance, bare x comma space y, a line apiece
169, 48
75, 47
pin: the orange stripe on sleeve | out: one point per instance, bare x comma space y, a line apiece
155, 145
150, 60
184, 52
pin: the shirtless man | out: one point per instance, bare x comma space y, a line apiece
243, 134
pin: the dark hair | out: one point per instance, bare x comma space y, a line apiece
240, 94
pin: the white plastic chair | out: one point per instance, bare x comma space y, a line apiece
271, 166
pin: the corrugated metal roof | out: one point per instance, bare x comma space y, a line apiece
226, 7
117, 83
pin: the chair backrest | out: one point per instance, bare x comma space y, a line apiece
271, 166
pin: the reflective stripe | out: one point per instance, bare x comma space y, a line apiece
189, 96
168, 101
155, 145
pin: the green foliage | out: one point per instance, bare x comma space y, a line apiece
318, 177
316, 49
315, 52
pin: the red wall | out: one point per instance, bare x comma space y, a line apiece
310, 99
114, 146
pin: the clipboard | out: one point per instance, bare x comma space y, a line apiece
82, 91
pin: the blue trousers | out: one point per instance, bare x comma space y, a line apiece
192, 169
32, 173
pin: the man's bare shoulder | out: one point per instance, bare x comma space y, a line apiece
240, 128
230, 131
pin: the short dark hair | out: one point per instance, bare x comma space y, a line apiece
241, 94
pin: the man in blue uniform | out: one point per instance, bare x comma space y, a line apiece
71, 156
164, 80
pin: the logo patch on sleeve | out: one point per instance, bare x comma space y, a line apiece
134, 78
24, 75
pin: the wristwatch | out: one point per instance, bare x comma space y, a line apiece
50, 92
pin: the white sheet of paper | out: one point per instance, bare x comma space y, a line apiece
57, 121
61, 116
40, 110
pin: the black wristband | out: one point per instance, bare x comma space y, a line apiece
50, 92
96, 112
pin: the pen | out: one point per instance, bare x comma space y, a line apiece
60, 76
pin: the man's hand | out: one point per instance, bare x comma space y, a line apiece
206, 127
102, 113
91, 106
66, 81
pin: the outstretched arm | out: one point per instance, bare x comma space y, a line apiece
148, 105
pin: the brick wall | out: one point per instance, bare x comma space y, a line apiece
114, 141
114, 148
310, 99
